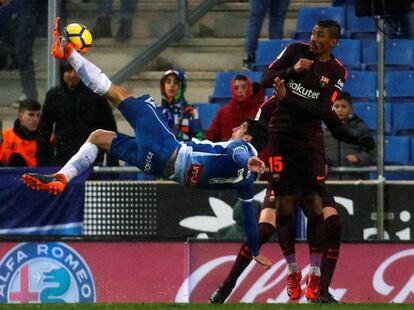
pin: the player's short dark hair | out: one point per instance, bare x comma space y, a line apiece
345, 96
333, 27
259, 133
29, 104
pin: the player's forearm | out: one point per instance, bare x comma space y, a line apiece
270, 74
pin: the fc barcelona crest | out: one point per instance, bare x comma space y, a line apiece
324, 81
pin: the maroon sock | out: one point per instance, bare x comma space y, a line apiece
315, 237
331, 251
244, 258
285, 228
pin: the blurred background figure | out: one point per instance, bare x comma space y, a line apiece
343, 154
102, 28
18, 148
19, 24
258, 8
181, 116
245, 102
71, 111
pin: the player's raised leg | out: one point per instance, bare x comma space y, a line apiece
90, 74
81, 161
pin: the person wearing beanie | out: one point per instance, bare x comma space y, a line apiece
71, 111
181, 117
18, 148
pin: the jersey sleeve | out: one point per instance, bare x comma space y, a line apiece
239, 152
249, 216
282, 67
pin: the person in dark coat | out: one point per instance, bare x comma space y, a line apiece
71, 111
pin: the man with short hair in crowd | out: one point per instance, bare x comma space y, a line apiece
18, 148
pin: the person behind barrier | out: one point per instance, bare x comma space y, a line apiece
245, 102
155, 150
18, 148
181, 117
344, 154
70, 113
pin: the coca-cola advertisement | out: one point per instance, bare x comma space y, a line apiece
89, 272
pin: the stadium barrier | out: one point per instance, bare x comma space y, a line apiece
160, 210
136, 272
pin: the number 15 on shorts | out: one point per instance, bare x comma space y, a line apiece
275, 164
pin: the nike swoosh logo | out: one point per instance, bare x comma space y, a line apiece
319, 178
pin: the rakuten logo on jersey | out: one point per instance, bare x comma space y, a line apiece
301, 91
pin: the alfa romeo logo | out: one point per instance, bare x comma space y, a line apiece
49, 272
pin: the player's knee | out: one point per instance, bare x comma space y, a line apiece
102, 138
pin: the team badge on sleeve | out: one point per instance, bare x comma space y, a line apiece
324, 81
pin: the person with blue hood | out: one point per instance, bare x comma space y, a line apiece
180, 116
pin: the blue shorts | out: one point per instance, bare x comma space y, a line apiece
153, 144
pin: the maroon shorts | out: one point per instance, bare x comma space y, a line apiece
293, 164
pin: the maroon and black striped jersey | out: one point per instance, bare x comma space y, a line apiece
309, 97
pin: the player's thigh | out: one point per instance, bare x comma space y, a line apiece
282, 165
312, 172
102, 138
124, 148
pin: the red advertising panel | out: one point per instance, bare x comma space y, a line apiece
188, 272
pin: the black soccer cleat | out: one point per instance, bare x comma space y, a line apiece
324, 298
220, 295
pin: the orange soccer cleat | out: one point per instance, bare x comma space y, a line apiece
53, 183
61, 49
312, 288
293, 285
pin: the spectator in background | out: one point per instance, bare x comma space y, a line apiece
1, 131
246, 100
18, 148
102, 28
258, 8
343, 154
19, 21
71, 111
181, 116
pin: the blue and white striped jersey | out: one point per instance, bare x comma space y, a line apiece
205, 164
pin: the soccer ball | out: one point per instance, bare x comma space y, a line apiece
79, 36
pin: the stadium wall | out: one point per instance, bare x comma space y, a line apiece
126, 272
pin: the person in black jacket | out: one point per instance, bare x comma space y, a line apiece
71, 111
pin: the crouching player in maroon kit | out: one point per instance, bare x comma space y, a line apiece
313, 77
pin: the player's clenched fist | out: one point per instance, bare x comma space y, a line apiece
302, 65
279, 89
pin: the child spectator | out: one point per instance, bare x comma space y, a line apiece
18, 148
181, 116
344, 154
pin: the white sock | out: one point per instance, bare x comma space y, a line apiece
292, 267
91, 75
81, 161
316, 270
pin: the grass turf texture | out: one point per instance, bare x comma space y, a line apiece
173, 306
